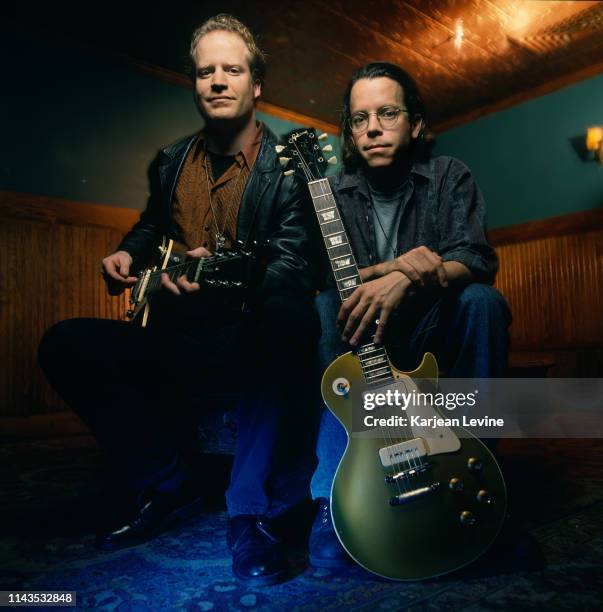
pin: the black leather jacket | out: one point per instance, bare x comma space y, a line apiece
274, 207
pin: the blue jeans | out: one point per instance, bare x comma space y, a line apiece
139, 390
466, 330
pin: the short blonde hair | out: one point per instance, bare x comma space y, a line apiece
228, 23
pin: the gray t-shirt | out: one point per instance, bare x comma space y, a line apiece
386, 211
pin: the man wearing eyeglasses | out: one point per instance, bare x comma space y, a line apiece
416, 226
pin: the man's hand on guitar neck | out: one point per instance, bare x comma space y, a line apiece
182, 284
115, 269
385, 285
384, 288
372, 300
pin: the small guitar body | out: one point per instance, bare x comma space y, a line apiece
451, 491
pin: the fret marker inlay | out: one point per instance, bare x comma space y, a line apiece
328, 216
342, 262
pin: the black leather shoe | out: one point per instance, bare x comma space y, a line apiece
258, 556
152, 514
325, 548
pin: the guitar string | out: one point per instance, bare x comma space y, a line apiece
324, 192
154, 280
309, 176
417, 458
385, 432
388, 437
191, 264
392, 442
410, 459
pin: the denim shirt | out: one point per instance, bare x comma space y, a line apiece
443, 209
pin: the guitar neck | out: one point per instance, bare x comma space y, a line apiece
191, 269
373, 359
339, 251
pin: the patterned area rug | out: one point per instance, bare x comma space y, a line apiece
549, 556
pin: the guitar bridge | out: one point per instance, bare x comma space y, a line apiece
408, 473
409, 496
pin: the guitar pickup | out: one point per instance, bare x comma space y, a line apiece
409, 450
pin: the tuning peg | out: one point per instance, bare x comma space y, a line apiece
279, 148
284, 160
332, 160
323, 136
327, 148
289, 172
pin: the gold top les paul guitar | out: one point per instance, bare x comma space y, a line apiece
223, 270
417, 502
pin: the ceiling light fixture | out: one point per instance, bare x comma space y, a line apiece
457, 36
458, 33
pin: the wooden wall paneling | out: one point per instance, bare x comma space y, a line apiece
36, 207
554, 288
51, 273
575, 223
551, 273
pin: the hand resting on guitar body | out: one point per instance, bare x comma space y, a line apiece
372, 300
115, 269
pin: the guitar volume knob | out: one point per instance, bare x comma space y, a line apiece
456, 484
484, 497
467, 518
474, 464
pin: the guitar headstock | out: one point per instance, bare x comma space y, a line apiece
232, 269
303, 155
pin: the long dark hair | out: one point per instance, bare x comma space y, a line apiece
412, 98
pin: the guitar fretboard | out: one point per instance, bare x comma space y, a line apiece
375, 364
151, 280
339, 250
373, 359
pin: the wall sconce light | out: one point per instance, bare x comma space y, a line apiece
594, 141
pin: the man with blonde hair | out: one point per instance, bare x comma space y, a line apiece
221, 185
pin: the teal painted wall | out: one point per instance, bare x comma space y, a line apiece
77, 127
523, 160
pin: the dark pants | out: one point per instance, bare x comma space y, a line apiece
138, 389
467, 331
